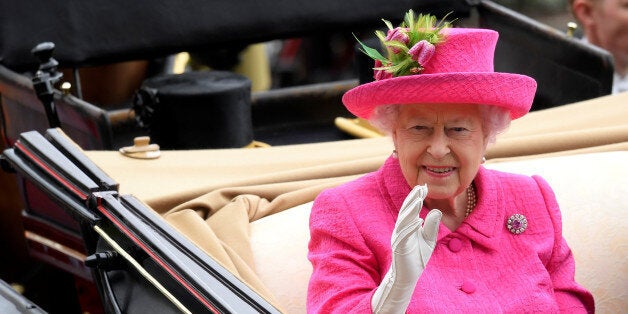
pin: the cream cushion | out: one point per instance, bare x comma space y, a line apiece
279, 244
592, 190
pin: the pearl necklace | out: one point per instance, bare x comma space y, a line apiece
471, 199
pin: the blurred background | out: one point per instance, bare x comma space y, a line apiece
310, 60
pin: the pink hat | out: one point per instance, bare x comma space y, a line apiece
457, 70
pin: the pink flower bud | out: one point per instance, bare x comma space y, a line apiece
397, 34
422, 52
380, 74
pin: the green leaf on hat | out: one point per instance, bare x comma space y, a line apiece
373, 53
419, 27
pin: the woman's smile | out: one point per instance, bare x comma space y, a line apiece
439, 171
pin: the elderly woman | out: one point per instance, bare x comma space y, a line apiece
491, 241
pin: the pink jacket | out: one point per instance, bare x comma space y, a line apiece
480, 268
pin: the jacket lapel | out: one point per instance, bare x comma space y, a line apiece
487, 218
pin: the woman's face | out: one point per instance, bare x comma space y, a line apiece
440, 145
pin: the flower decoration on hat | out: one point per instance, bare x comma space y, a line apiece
409, 47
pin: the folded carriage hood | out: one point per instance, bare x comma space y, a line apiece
100, 32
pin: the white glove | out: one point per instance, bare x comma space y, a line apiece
412, 245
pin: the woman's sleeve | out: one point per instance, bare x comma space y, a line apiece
344, 274
571, 297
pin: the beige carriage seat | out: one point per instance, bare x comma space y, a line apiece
591, 190
279, 244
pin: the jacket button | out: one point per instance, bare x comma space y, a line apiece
468, 287
455, 245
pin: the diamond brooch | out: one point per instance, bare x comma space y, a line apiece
517, 223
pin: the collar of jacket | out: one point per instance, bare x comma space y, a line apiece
480, 227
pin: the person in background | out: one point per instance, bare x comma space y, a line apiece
605, 24
432, 230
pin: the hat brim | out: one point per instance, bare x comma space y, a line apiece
514, 92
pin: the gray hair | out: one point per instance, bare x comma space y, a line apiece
495, 119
